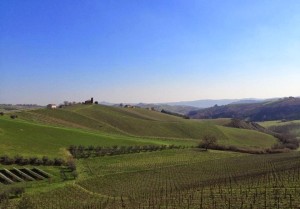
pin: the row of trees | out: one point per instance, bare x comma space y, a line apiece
174, 114
20, 160
92, 151
285, 145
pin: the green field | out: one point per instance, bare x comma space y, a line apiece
50, 132
185, 177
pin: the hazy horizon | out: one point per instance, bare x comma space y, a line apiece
148, 51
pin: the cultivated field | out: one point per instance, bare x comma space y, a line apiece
182, 176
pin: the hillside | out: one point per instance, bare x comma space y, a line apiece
180, 109
50, 132
286, 108
291, 128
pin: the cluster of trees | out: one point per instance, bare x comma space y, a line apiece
92, 151
69, 170
174, 114
285, 145
286, 141
7, 193
20, 160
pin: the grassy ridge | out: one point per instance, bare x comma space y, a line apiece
138, 122
108, 126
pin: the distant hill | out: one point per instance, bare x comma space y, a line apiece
180, 109
184, 107
204, 103
277, 109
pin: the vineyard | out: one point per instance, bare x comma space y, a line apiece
211, 180
106, 157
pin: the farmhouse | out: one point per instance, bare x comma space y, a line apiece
51, 106
129, 106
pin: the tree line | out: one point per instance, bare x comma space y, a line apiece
20, 160
285, 144
98, 151
174, 114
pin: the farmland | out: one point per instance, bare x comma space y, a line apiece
213, 179
167, 170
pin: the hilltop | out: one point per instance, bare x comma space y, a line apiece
278, 109
55, 130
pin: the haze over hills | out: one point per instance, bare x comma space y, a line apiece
185, 107
205, 103
278, 109
202, 103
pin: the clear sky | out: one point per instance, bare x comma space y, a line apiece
148, 50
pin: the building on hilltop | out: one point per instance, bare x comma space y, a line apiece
51, 106
89, 101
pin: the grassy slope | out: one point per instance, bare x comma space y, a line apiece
28, 139
138, 122
246, 138
108, 126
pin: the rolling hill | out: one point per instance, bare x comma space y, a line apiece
50, 132
285, 108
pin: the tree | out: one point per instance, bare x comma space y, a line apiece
208, 141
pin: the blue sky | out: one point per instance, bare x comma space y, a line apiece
148, 51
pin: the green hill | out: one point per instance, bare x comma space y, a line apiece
50, 132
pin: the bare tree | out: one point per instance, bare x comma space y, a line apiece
208, 141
